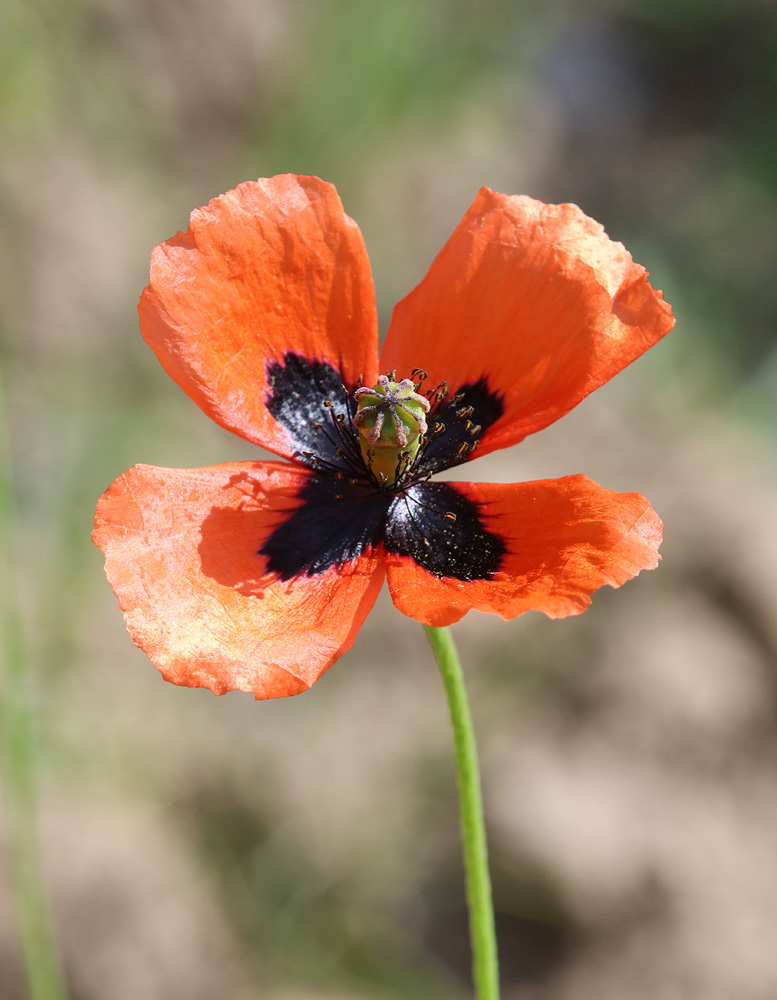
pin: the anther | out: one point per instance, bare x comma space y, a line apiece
465, 411
441, 392
450, 515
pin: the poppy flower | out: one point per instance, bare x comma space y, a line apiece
256, 575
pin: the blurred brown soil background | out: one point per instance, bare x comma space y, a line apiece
308, 849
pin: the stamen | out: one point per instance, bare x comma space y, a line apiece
419, 375
343, 443
346, 437
441, 392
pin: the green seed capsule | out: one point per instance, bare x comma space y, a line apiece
391, 419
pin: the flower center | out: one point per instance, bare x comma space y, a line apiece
391, 421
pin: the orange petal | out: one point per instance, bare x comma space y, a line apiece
565, 538
536, 300
181, 555
271, 268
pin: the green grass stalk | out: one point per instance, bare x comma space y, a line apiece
17, 767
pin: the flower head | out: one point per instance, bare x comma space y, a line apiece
257, 575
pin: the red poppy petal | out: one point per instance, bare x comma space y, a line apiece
181, 555
565, 538
534, 298
272, 267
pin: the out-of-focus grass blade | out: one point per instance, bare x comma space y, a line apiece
17, 764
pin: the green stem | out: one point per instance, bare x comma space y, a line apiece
485, 968
17, 767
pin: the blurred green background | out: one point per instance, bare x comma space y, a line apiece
308, 849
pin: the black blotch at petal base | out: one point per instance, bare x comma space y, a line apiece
460, 547
334, 524
298, 387
336, 519
443, 452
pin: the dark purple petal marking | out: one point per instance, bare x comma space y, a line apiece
444, 448
298, 387
343, 510
443, 532
334, 524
